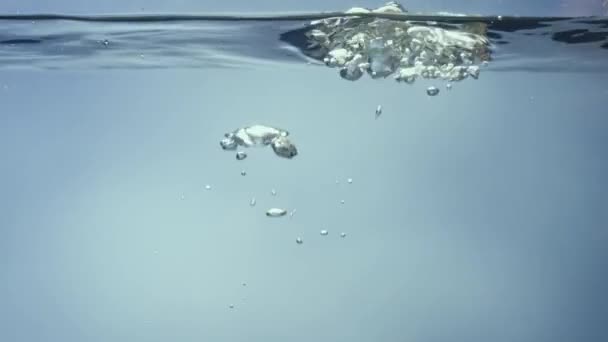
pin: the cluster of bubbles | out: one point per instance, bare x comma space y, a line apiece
279, 212
259, 136
406, 49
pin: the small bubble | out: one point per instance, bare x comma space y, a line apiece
182, 197
252, 202
324, 232
378, 111
231, 306
142, 56
228, 144
276, 212
337, 181
106, 42
499, 17
207, 187
244, 284
350, 181
291, 213
342, 235
240, 155
485, 63
299, 241
448, 86
273, 192
243, 173
342, 201
432, 91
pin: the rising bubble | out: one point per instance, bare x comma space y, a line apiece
240, 155
432, 91
276, 212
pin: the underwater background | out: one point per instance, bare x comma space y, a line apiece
478, 214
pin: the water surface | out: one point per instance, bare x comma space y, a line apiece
198, 41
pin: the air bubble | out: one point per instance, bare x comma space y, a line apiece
342, 235
299, 241
207, 187
432, 91
241, 155
378, 111
243, 173
252, 202
276, 212
228, 144
324, 232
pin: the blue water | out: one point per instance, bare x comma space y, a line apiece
479, 214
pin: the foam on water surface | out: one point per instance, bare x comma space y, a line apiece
355, 41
